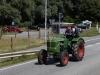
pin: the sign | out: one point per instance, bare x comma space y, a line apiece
51, 20
13, 23
60, 15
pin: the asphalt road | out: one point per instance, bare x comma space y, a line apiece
90, 65
34, 34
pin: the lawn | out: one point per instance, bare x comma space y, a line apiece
17, 44
89, 32
15, 60
86, 33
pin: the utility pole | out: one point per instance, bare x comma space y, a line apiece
60, 15
59, 23
45, 19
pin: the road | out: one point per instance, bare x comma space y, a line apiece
34, 34
90, 65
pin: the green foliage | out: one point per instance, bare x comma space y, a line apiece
91, 9
23, 11
25, 24
68, 19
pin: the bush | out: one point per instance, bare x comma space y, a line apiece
68, 19
25, 24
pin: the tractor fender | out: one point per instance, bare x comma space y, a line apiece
75, 39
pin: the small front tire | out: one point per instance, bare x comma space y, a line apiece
64, 57
42, 56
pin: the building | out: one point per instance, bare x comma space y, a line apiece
61, 27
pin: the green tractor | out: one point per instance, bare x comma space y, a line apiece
60, 48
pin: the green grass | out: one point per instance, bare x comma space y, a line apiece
89, 32
18, 44
86, 33
15, 60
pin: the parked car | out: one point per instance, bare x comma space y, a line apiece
34, 27
12, 28
43, 25
82, 26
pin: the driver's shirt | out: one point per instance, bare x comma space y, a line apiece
69, 32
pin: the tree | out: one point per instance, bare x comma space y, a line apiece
90, 10
52, 9
9, 14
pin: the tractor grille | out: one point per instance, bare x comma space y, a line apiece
51, 44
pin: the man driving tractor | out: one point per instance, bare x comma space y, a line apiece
70, 33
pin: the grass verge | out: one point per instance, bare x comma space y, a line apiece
18, 44
86, 33
89, 32
15, 60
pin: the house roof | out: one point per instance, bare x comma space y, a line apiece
62, 23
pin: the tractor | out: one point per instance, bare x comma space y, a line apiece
60, 48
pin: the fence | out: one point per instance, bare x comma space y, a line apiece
16, 43
16, 54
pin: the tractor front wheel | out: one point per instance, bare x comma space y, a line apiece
64, 57
42, 56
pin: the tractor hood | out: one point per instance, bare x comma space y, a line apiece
56, 39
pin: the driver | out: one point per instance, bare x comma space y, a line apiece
69, 33
77, 31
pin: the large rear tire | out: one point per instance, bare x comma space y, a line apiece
78, 50
42, 56
64, 57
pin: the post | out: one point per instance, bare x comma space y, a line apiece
52, 34
1, 33
59, 23
45, 19
60, 16
99, 30
28, 34
15, 33
48, 34
39, 34
97, 26
90, 25
11, 43
29, 41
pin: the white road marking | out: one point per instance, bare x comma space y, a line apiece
97, 43
92, 45
18, 65
92, 39
89, 46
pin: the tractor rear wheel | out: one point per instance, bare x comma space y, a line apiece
78, 50
42, 56
64, 57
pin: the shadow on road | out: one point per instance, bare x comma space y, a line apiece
52, 61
